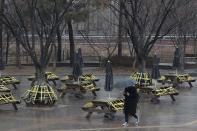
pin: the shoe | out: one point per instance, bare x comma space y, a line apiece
125, 124
106, 116
137, 121
77, 96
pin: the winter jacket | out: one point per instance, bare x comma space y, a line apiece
131, 100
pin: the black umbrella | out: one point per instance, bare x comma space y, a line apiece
155, 68
176, 60
77, 71
124, 83
80, 57
108, 77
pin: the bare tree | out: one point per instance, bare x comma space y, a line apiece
1, 28
120, 28
76, 14
71, 40
184, 31
60, 29
46, 22
147, 21
59, 33
110, 46
106, 21
8, 35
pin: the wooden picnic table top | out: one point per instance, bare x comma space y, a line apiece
170, 75
176, 75
104, 100
77, 84
155, 87
180, 77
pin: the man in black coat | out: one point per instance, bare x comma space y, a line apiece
130, 104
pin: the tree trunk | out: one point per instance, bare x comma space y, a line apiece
18, 62
142, 65
71, 39
181, 47
1, 27
194, 45
7, 46
33, 32
59, 47
40, 76
54, 57
120, 29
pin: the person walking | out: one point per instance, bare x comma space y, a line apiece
130, 104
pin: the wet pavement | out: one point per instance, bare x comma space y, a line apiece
66, 114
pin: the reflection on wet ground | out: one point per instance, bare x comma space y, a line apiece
67, 115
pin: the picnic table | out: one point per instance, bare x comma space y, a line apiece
79, 85
50, 77
77, 88
142, 79
9, 80
40, 94
3, 88
90, 78
107, 106
158, 91
8, 98
176, 79
87, 77
69, 79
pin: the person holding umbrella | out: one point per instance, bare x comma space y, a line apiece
131, 98
130, 104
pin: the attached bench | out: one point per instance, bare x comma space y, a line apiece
9, 99
9, 80
3, 88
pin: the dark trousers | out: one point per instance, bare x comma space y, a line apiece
127, 116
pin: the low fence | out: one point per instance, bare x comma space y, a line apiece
97, 52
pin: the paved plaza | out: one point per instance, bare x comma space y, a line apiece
67, 115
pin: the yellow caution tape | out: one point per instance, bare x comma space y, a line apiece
39, 93
142, 79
